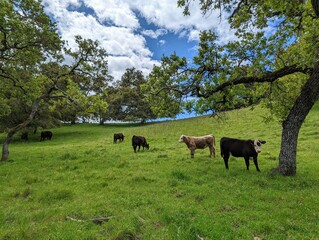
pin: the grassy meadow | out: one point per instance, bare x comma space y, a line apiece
160, 193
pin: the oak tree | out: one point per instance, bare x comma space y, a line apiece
127, 100
33, 73
277, 47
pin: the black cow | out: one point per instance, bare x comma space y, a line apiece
240, 148
139, 141
46, 135
118, 136
25, 136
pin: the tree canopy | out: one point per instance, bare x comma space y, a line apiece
276, 50
34, 74
127, 100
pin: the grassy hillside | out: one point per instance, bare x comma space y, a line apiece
161, 193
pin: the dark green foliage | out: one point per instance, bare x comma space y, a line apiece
127, 101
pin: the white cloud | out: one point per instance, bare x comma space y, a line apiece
154, 34
161, 42
117, 12
115, 24
194, 35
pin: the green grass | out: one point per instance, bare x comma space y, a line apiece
159, 193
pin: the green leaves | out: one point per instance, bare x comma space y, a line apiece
127, 101
166, 86
29, 82
275, 39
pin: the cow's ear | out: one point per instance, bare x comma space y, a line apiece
262, 142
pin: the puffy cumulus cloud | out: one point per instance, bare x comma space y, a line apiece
116, 12
124, 46
123, 41
154, 34
118, 65
166, 14
115, 24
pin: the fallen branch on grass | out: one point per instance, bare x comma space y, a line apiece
97, 221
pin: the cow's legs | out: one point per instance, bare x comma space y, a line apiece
139, 146
226, 157
256, 164
192, 153
212, 150
247, 162
134, 147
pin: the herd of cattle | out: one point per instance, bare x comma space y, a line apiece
228, 146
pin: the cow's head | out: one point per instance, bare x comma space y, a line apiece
182, 138
147, 146
257, 145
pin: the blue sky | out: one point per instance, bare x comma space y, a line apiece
134, 33
168, 43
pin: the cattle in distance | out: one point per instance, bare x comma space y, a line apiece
199, 142
118, 136
25, 136
240, 148
46, 135
138, 141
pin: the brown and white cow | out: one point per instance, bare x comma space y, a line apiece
240, 148
199, 142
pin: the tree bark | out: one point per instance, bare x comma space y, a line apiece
291, 126
5, 147
14, 130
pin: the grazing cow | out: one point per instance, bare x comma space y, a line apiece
25, 136
240, 148
199, 142
118, 136
46, 135
139, 141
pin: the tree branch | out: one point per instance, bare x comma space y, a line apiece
267, 77
14, 81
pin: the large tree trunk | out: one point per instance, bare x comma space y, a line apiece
14, 130
5, 147
291, 126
